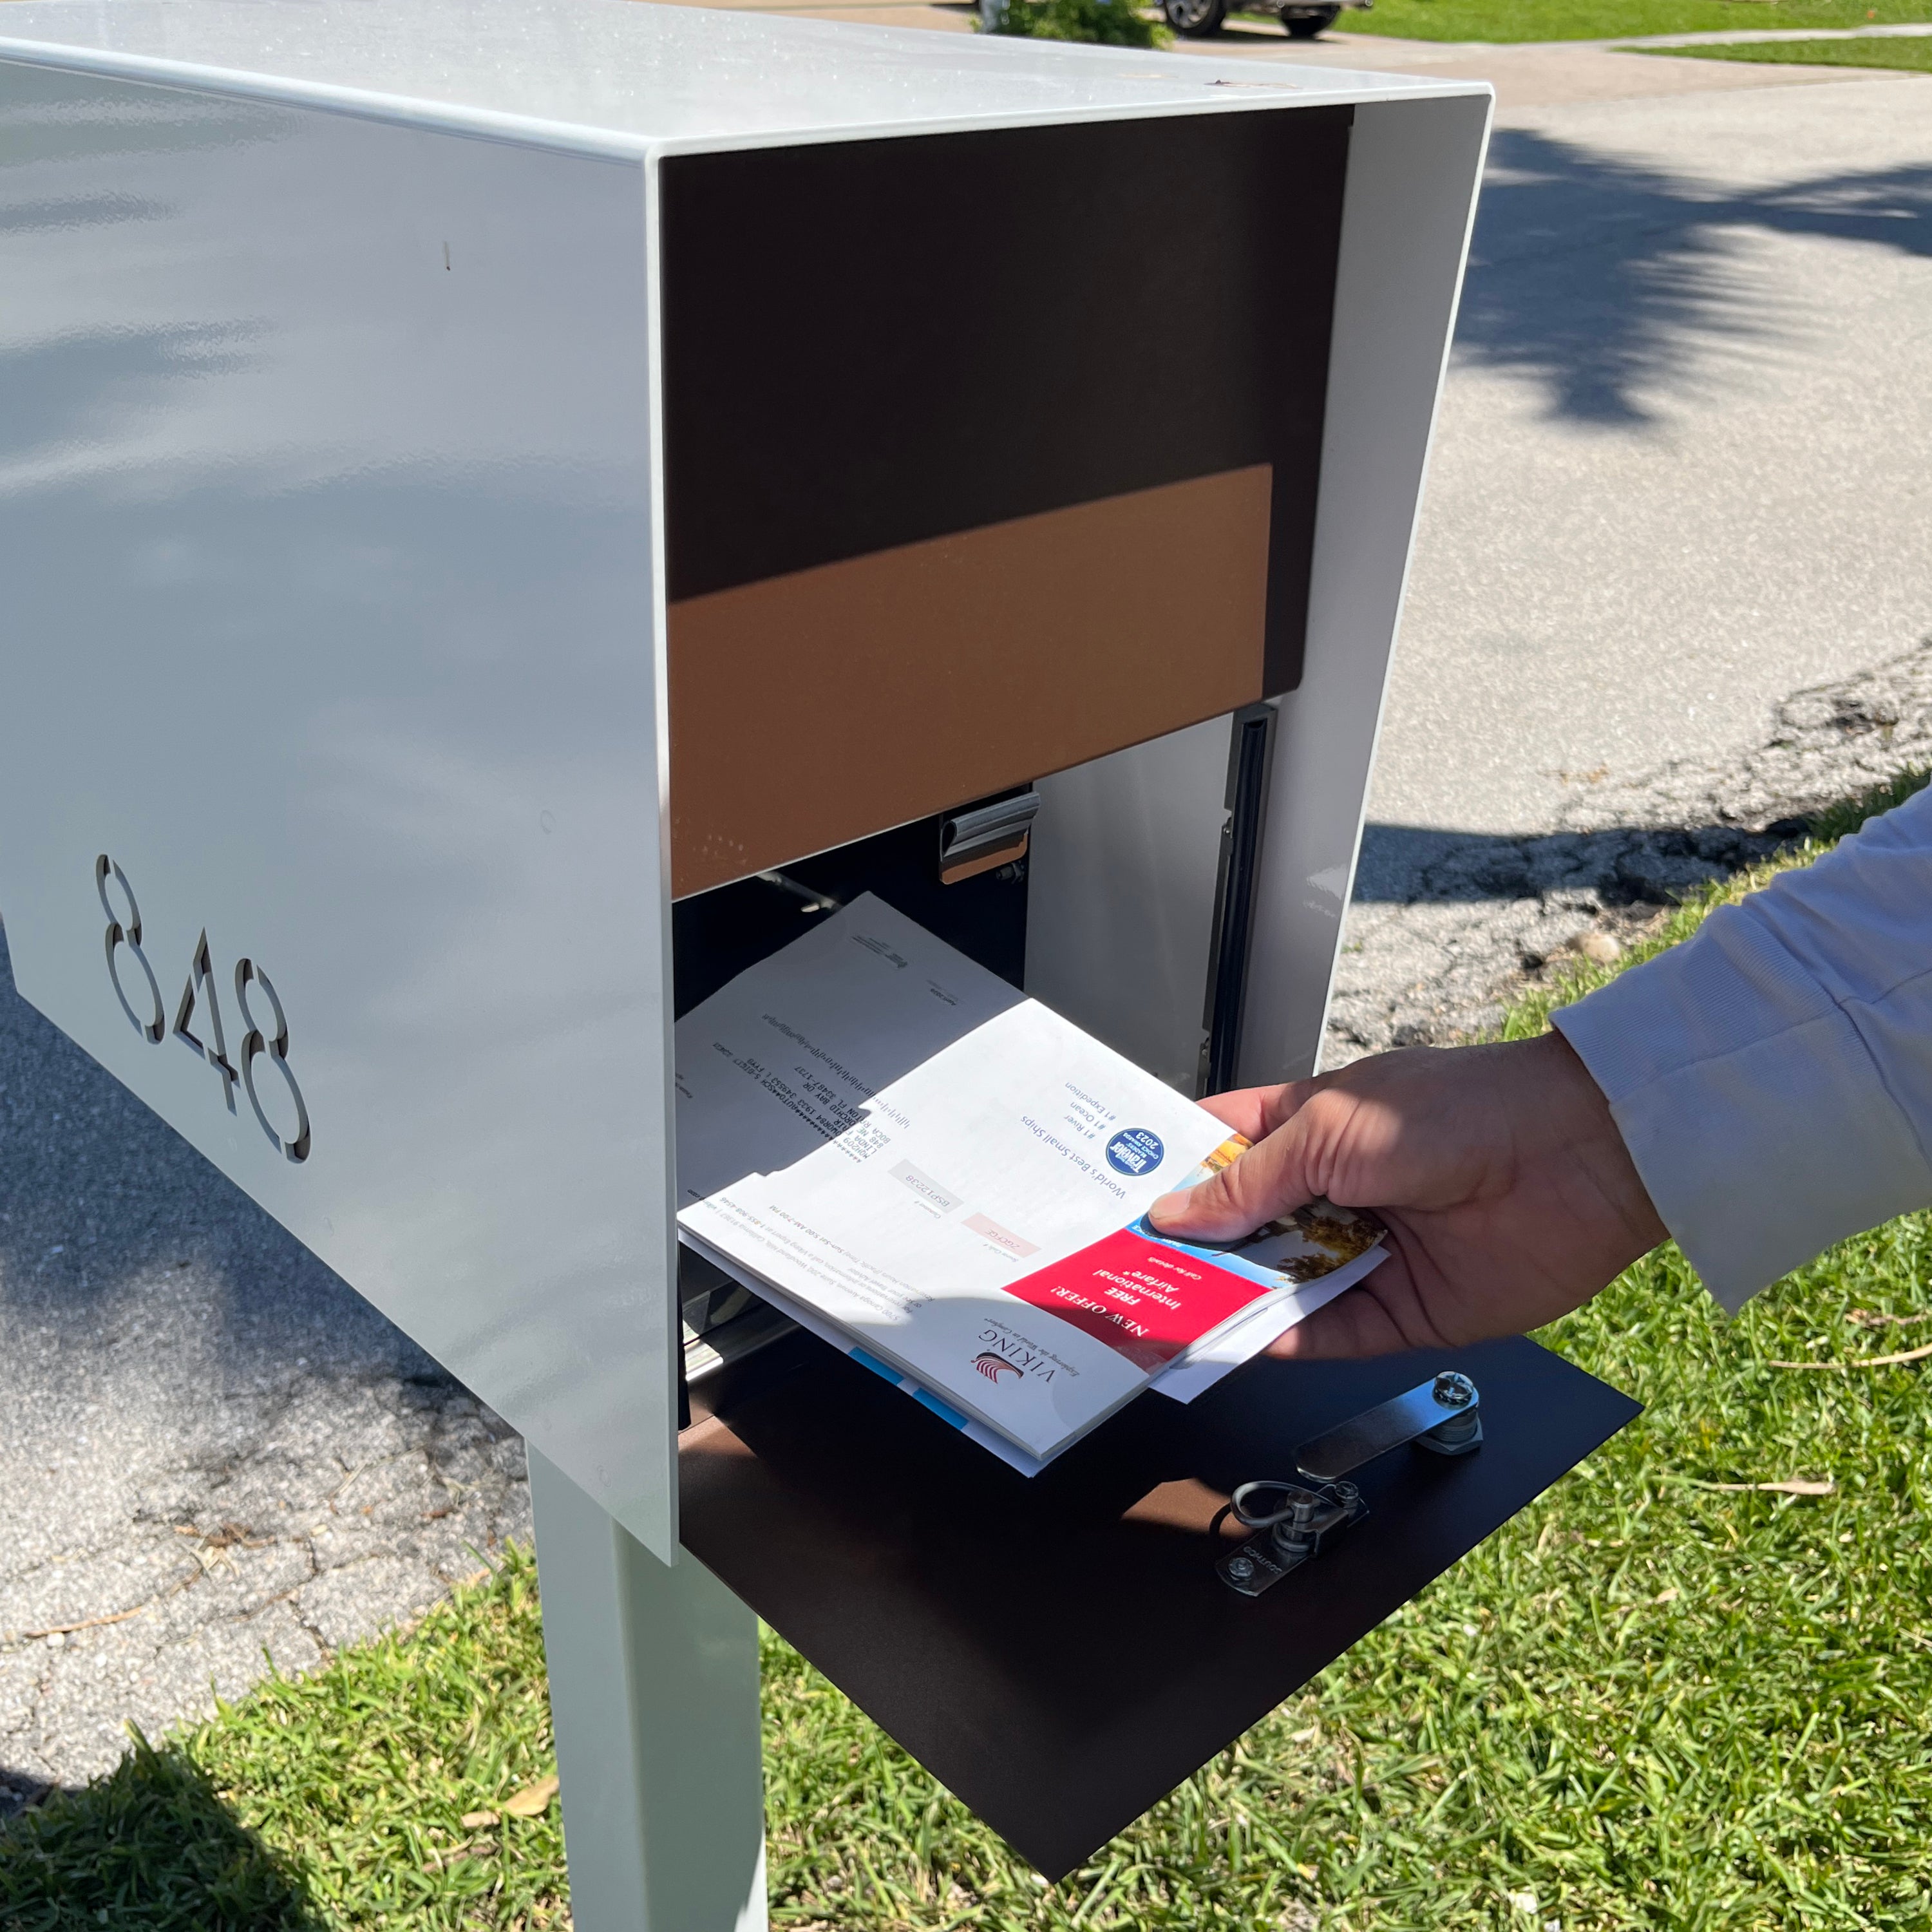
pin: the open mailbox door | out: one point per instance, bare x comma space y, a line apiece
505, 507
1060, 1653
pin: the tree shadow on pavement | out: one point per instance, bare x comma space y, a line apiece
1603, 277
1677, 827
150, 1847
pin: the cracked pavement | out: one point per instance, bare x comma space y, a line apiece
1447, 927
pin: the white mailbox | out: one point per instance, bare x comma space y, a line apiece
495, 501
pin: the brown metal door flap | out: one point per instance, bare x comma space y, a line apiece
1059, 1652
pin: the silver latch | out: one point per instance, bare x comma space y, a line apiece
1299, 1524
975, 841
1297, 1520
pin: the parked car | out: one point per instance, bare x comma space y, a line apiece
1199, 18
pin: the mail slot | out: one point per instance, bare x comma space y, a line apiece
510, 512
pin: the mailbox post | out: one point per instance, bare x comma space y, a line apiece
654, 1698
508, 509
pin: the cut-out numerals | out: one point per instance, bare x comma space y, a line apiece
128, 934
200, 1003
214, 1049
276, 1045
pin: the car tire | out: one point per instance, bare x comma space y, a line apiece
1198, 19
1306, 26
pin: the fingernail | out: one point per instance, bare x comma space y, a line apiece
1169, 1208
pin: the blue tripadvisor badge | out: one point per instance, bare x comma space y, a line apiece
1135, 1150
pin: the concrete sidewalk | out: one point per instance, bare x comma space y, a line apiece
1525, 74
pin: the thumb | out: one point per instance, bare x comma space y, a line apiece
1269, 1180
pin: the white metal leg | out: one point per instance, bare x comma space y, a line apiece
654, 1692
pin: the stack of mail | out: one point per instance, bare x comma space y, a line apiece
947, 1180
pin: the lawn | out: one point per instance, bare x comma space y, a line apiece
1912, 53
1612, 20
1671, 1694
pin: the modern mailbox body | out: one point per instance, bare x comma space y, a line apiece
475, 476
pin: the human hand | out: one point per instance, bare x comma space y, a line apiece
1509, 1195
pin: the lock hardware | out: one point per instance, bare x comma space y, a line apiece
1302, 1524
1440, 1415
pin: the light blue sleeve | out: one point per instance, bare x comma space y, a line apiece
1772, 1075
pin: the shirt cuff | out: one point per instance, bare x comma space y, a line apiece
1749, 1102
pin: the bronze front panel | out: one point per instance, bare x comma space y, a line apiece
812, 709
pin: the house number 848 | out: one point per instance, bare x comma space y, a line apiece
124, 935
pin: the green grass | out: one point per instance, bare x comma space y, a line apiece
1911, 53
1612, 20
1649, 1702
335, 1801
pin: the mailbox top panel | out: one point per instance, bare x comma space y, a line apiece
620, 73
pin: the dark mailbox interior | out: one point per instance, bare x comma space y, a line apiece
716, 935
1058, 1652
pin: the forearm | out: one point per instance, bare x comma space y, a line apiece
1772, 1076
